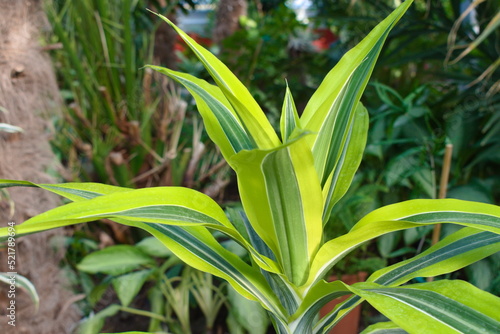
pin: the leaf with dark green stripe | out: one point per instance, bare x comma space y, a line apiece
222, 123
289, 117
349, 158
202, 250
73, 191
329, 111
454, 252
282, 198
425, 211
319, 295
163, 205
198, 248
399, 217
249, 112
437, 307
287, 295
331, 319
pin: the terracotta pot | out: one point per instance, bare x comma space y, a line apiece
350, 323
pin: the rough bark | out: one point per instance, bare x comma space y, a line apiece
28, 94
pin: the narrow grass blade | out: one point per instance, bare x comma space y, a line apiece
289, 117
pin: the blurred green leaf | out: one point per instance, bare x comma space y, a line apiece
128, 286
115, 260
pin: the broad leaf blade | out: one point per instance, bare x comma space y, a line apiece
402, 216
161, 205
192, 244
436, 307
115, 260
128, 286
452, 253
322, 293
289, 117
349, 158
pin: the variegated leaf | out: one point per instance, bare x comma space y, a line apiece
436, 307
249, 112
282, 197
402, 216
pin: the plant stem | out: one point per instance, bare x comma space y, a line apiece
443, 185
143, 313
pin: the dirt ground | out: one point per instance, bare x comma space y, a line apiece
28, 96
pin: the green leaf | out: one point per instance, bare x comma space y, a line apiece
330, 110
482, 274
331, 319
23, 283
402, 216
436, 307
115, 260
219, 117
94, 323
237, 94
248, 313
318, 296
384, 328
349, 158
74, 191
193, 244
282, 197
289, 117
128, 286
454, 252
198, 248
153, 247
423, 211
388, 242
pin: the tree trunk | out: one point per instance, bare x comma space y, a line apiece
28, 93
227, 18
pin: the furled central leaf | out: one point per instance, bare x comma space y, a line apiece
281, 194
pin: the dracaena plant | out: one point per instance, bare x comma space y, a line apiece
288, 184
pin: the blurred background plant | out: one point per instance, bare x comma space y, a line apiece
123, 125
148, 274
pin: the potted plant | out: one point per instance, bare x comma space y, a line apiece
288, 185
